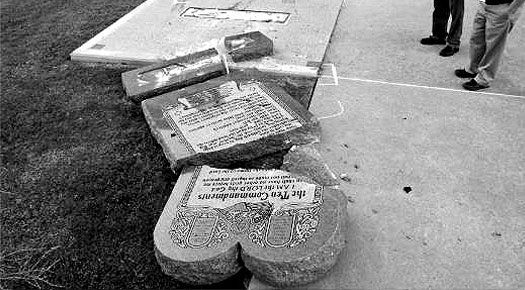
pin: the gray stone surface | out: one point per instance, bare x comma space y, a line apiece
306, 160
226, 120
194, 68
248, 46
173, 74
286, 231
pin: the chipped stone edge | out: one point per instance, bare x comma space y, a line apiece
306, 269
202, 272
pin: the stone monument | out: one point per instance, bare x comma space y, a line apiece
285, 229
197, 67
228, 119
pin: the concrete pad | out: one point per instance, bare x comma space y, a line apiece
374, 40
437, 180
163, 29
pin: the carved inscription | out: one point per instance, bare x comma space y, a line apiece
280, 230
222, 117
201, 231
270, 207
231, 14
224, 188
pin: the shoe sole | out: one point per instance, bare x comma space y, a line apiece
469, 88
465, 76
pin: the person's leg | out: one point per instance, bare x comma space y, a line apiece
440, 18
456, 24
497, 29
477, 40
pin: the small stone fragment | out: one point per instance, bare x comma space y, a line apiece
307, 161
345, 177
248, 46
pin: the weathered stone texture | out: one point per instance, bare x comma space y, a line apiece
287, 231
254, 118
307, 161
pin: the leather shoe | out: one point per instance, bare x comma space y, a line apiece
448, 51
432, 40
472, 85
462, 73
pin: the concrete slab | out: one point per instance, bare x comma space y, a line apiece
437, 180
435, 174
377, 41
163, 29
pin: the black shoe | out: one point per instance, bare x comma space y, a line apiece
448, 51
472, 85
432, 40
462, 73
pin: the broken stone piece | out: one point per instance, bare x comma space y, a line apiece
307, 161
173, 74
248, 46
227, 120
287, 231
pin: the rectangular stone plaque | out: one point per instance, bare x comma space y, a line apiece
173, 74
276, 221
234, 14
243, 115
226, 120
193, 68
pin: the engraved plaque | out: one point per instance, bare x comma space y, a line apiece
220, 117
234, 14
227, 120
280, 229
201, 231
218, 220
246, 200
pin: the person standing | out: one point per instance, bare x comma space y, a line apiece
493, 22
443, 10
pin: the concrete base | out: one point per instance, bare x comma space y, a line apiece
437, 182
435, 173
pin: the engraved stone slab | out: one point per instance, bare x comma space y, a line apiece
193, 68
248, 46
227, 120
173, 74
287, 230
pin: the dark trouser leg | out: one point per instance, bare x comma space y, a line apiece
456, 24
440, 18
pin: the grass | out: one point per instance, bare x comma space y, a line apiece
27, 266
82, 181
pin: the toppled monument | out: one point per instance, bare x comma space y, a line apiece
227, 120
254, 191
286, 230
197, 67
